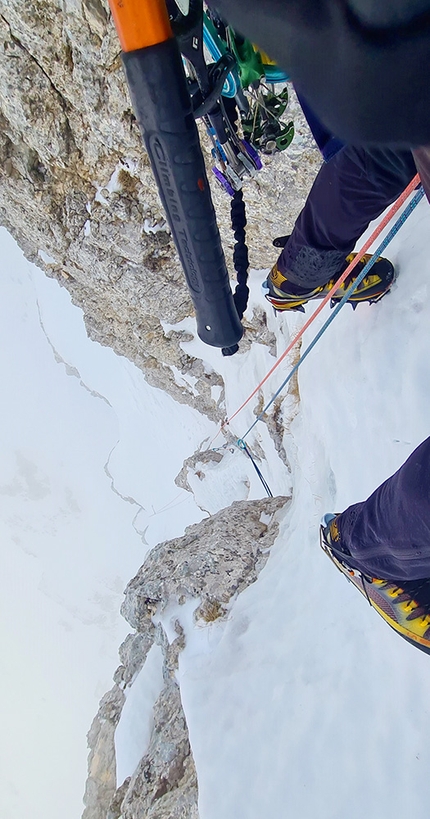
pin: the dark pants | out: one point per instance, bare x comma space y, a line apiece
350, 190
388, 535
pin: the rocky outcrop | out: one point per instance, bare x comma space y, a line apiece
165, 782
101, 784
77, 192
211, 564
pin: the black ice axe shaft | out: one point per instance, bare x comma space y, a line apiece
162, 105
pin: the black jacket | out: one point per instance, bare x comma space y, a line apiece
363, 65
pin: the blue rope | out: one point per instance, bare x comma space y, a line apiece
242, 445
245, 448
390, 235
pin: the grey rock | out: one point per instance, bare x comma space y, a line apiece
204, 457
215, 560
77, 192
165, 782
101, 782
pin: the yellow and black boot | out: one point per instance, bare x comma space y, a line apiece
284, 295
403, 604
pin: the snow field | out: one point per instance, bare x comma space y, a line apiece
307, 704
88, 457
302, 702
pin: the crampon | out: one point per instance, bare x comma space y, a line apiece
372, 289
404, 605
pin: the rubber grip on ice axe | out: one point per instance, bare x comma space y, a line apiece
162, 106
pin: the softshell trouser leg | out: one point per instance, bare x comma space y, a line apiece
388, 535
350, 190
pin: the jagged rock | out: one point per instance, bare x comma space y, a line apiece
114, 810
165, 782
101, 783
132, 654
205, 457
215, 560
77, 192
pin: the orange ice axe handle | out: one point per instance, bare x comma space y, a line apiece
140, 23
162, 105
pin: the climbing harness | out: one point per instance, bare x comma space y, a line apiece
171, 84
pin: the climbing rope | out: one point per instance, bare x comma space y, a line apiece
241, 444
390, 235
245, 448
378, 230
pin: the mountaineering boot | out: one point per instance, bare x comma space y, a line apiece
403, 604
284, 295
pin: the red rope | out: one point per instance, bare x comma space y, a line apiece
384, 222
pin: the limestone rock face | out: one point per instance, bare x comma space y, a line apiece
101, 783
76, 189
165, 782
212, 563
77, 192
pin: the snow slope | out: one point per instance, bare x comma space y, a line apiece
303, 702
88, 456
